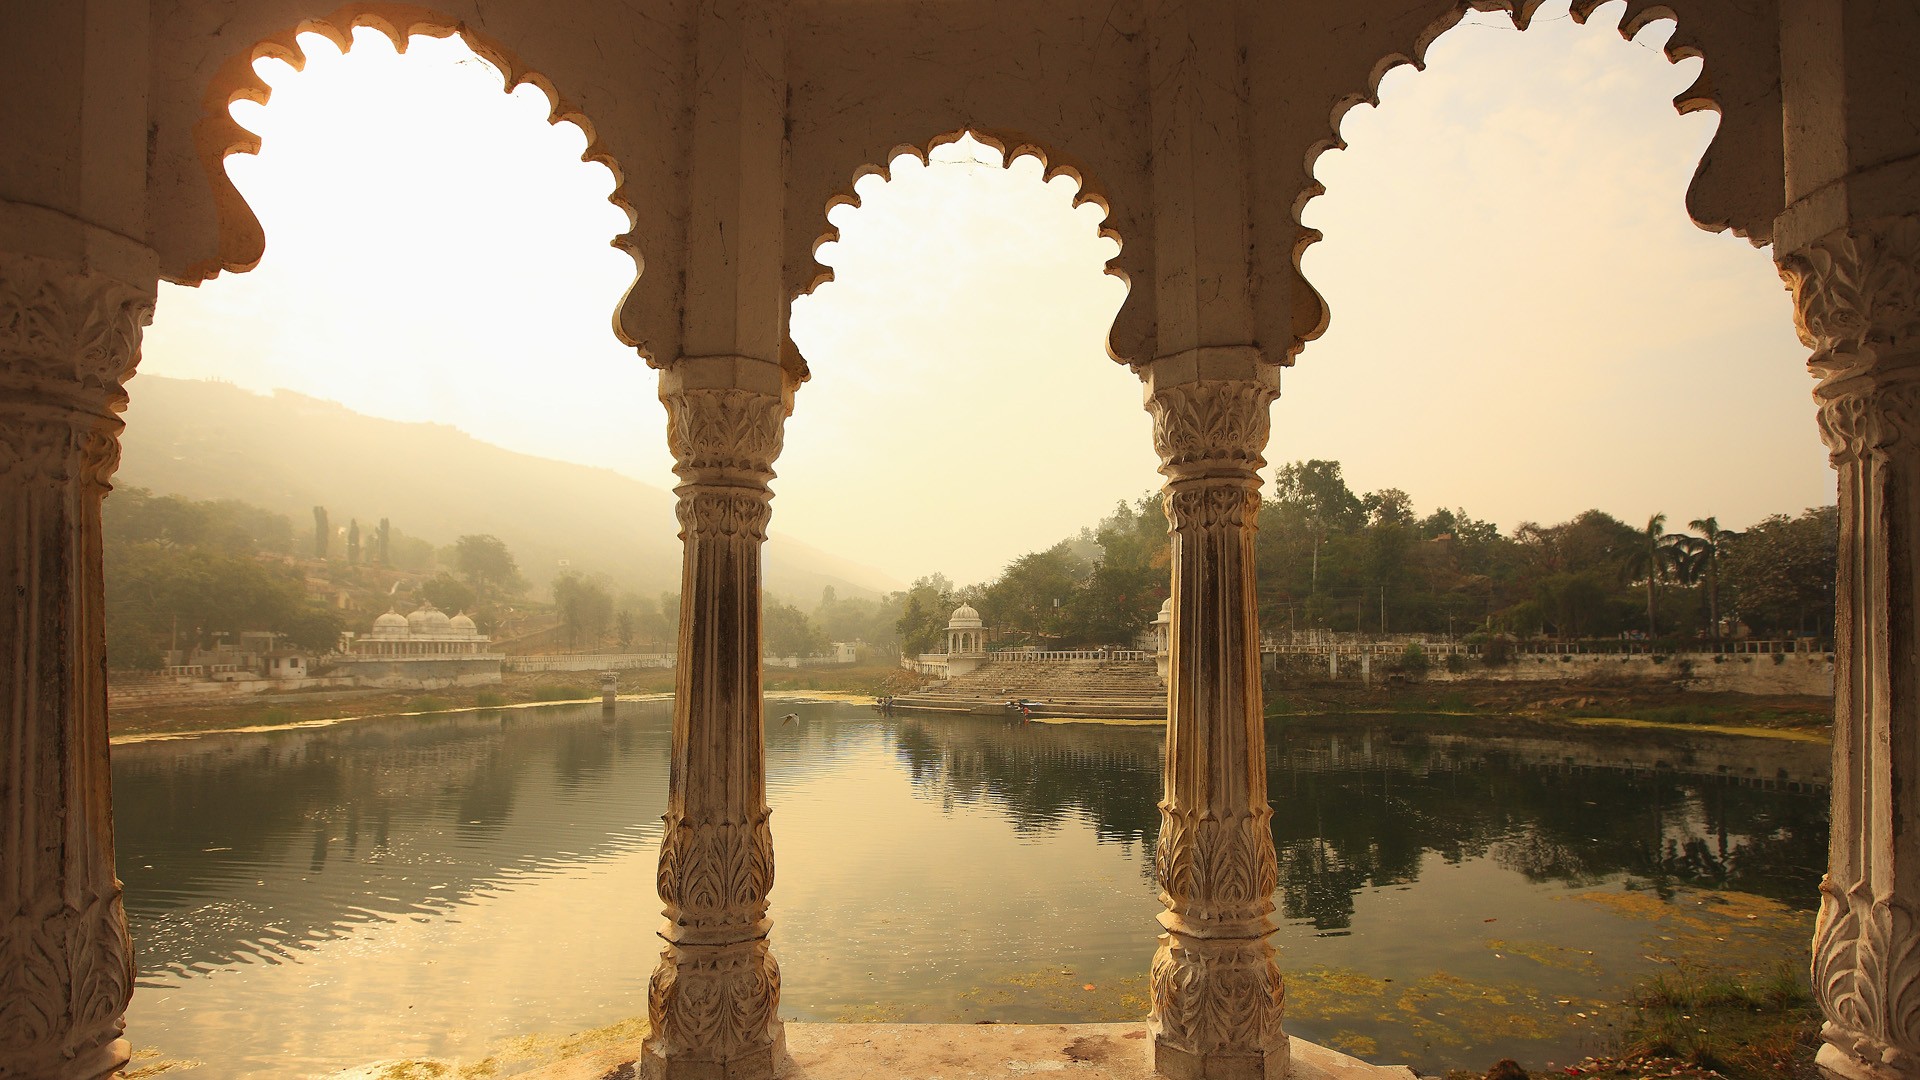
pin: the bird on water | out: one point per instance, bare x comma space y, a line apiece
790, 718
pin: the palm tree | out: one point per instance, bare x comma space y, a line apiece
1709, 528
1651, 561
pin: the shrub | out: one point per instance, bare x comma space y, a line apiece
487, 699
1414, 661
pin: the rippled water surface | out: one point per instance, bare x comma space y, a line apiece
305, 901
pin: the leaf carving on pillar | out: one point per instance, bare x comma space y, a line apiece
65, 980
1216, 867
1217, 996
1231, 503
713, 1002
726, 431
1856, 292
74, 330
716, 873
1856, 300
69, 339
1211, 425
724, 512
1866, 970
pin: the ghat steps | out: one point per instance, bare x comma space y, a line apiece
1067, 689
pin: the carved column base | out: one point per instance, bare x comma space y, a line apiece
713, 1013
1217, 1007
1865, 1061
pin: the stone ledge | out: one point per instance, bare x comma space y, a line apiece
975, 1052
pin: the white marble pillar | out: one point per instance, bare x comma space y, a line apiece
69, 337
1857, 304
714, 999
1216, 988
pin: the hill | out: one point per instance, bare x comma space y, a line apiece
289, 453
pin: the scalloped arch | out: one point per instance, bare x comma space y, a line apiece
1637, 16
217, 135
1052, 164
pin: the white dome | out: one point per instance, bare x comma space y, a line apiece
391, 625
428, 620
462, 623
1166, 609
964, 618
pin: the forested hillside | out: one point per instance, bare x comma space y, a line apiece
288, 454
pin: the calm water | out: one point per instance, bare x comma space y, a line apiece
305, 901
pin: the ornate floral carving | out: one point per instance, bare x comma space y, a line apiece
1215, 997
1866, 973
1856, 293
713, 1004
724, 433
1211, 426
66, 976
724, 512
1217, 867
716, 873
1856, 299
78, 331
1207, 505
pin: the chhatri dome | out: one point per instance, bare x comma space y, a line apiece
964, 618
463, 623
392, 624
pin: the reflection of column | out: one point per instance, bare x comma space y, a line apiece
68, 338
714, 999
1857, 303
1216, 989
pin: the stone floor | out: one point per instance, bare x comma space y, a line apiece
975, 1052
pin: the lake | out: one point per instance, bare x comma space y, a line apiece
1452, 890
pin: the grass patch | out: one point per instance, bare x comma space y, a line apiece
1763, 1027
487, 699
427, 703
560, 693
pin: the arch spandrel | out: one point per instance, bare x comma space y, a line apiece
1065, 83
1309, 63
581, 55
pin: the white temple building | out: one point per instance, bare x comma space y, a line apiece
426, 650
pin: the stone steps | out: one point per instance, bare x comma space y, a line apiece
1075, 689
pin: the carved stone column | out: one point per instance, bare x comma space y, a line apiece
1857, 304
714, 1000
1217, 992
68, 338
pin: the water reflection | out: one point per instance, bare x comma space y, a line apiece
303, 900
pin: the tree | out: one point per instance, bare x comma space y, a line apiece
485, 563
321, 533
623, 628
448, 593
1651, 561
586, 607
1715, 538
382, 537
924, 610
353, 541
785, 630
1780, 573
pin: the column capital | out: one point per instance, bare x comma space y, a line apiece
1210, 427
1856, 300
69, 340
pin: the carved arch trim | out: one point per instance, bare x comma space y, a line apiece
1011, 146
1685, 44
217, 135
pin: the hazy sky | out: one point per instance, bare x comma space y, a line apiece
1525, 324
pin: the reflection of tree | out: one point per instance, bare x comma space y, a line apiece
364, 820
1038, 774
1363, 809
